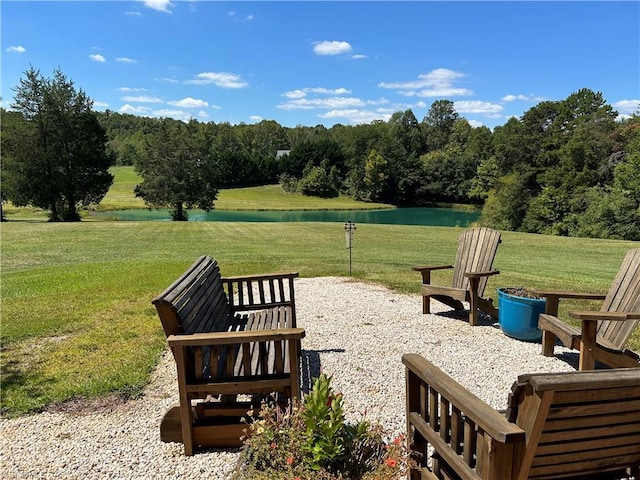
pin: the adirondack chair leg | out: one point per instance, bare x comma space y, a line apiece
548, 338
548, 342
426, 300
474, 301
426, 304
588, 345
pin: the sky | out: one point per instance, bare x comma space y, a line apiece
331, 62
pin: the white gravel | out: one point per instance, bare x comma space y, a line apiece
355, 332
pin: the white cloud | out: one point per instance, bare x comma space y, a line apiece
100, 104
220, 79
295, 94
302, 92
202, 114
133, 13
255, 118
436, 83
126, 60
16, 49
477, 106
134, 110
627, 106
189, 102
96, 57
355, 116
331, 102
358, 56
331, 48
130, 89
523, 98
168, 79
158, 5
475, 123
177, 114
141, 99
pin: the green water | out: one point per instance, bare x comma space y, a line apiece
444, 217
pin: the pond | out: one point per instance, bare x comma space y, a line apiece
444, 217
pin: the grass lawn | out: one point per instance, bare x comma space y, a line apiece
268, 197
76, 313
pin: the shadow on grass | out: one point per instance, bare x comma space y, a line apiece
22, 391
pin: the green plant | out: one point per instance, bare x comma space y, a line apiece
313, 441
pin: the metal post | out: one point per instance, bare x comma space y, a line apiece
349, 227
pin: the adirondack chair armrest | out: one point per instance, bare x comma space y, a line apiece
472, 408
487, 273
553, 298
425, 270
421, 268
563, 294
596, 315
230, 338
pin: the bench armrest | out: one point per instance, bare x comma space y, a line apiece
256, 292
227, 338
263, 276
487, 273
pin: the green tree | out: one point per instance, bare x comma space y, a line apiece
375, 175
55, 154
175, 172
439, 123
318, 183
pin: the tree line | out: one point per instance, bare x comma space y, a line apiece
564, 167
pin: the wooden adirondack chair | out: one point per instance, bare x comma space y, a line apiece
604, 334
571, 425
476, 250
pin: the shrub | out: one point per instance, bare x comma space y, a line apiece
313, 441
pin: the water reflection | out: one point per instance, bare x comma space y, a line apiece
444, 217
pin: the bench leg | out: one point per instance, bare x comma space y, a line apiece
186, 415
294, 368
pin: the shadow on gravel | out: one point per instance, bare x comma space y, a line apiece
310, 366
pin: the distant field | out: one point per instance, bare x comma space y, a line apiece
269, 197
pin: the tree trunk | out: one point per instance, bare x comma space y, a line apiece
179, 215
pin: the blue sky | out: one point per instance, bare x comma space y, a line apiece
310, 63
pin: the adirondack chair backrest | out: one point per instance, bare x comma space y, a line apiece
578, 422
623, 296
476, 250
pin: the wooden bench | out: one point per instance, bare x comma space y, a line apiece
233, 339
578, 425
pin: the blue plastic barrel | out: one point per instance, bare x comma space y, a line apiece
518, 316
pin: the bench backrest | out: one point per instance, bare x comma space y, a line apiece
477, 248
577, 423
623, 296
196, 302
